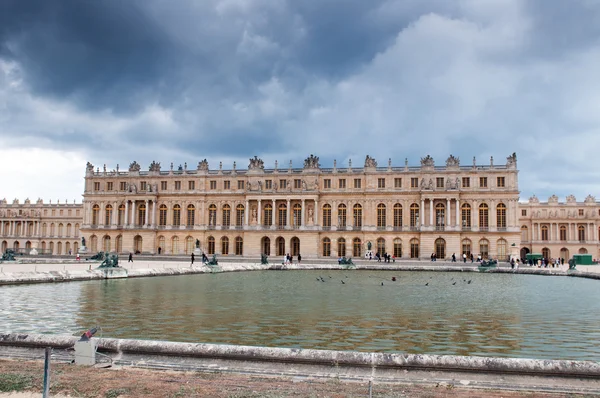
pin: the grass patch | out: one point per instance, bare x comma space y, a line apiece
114, 393
15, 382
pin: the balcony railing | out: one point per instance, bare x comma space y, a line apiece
466, 229
280, 227
415, 228
484, 229
398, 228
440, 227
381, 227
501, 229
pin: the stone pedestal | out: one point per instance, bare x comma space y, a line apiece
82, 250
514, 253
113, 273
33, 252
197, 252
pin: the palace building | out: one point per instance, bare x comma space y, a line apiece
406, 211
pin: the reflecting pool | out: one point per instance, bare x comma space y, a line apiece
501, 315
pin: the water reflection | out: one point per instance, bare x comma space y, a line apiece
495, 315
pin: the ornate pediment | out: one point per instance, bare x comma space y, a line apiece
553, 199
311, 162
571, 199
154, 166
534, 199
511, 161
15, 201
27, 201
89, 167
452, 161
203, 165
134, 166
590, 199
427, 161
370, 162
256, 164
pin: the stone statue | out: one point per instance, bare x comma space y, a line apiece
423, 183
197, 243
311, 162
134, 166
203, 165
427, 161
369, 245
457, 183
310, 214
110, 261
247, 185
370, 162
448, 183
154, 166
89, 167
430, 186
9, 255
452, 161
263, 259
82, 241
259, 186
254, 214
256, 164
511, 161
304, 186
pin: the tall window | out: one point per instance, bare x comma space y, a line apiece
381, 216
176, 215
581, 232
175, 245
327, 215
266, 246
466, 247
381, 245
440, 217
357, 247
280, 244
162, 215
297, 215
121, 215
108, 215
295, 246
357, 209
501, 215
60, 229
239, 215
397, 216
118, 244
342, 247
414, 216
141, 214
342, 215
524, 233
484, 248
483, 216
546, 252
282, 214
212, 215
563, 232
161, 244
326, 247
224, 245
189, 245
502, 249
226, 216
414, 248
191, 212
466, 215
397, 247
95, 212
440, 248
211, 245
239, 246
268, 216
544, 232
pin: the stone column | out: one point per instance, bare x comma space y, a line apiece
422, 212
126, 221
288, 213
246, 211
147, 212
475, 215
302, 212
153, 213
316, 213
12, 228
273, 214
431, 213
458, 223
448, 217
115, 214
539, 231
259, 213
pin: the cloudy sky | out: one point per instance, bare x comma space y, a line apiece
178, 81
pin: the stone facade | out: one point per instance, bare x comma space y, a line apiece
406, 211
48, 228
560, 229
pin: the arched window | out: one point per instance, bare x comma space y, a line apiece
398, 248
226, 216
524, 233
440, 248
67, 246
564, 254
327, 215
466, 247
268, 216
119, 244
161, 244
224, 245
484, 217
162, 215
414, 216
189, 245
177, 215
326, 247
77, 230
295, 242
95, 211
440, 218
466, 215
142, 214
106, 244
397, 217
68, 234
108, 215
282, 214
544, 232
381, 246
239, 246
138, 244
414, 248
297, 214
191, 215
342, 215
44, 229
546, 252
484, 248
381, 216
501, 216
357, 210
239, 215
357, 247
175, 245
52, 229
121, 214
211, 244
581, 233
212, 216
280, 243
93, 243
58, 247
51, 246
60, 230
266, 246
502, 245
341, 247
583, 250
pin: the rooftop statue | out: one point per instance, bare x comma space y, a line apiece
511, 160
89, 167
311, 162
452, 161
571, 199
534, 199
203, 165
590, 199
256, 164
553, 199
154, 166
427, 161
370, 162
134, 166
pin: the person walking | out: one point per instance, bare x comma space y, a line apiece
464, 257
192, 258
299, 258
130, 260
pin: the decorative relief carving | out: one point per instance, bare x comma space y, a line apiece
553, 199
370, 162
452, 161
154, 166
203, 165
134, 166
311, 162
590, 199
427, 161
571, 199
534, 199
256, 164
